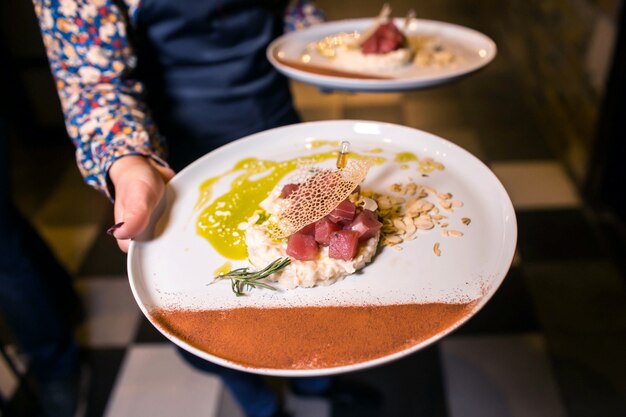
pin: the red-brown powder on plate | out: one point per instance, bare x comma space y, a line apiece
309, 337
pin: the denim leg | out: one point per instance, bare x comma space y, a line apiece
311, 385
250, 390
36, 293
34, 318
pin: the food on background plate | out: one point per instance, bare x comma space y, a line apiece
384, 47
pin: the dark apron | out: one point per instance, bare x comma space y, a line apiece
207, 79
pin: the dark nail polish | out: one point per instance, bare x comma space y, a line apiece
114, 228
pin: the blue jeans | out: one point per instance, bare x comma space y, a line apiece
37, 299
250, 390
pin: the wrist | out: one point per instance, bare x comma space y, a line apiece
134, 167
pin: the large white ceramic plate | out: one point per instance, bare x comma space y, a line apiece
170, 265
473, 50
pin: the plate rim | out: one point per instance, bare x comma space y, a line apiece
368, 85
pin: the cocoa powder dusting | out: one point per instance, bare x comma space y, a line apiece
309, 337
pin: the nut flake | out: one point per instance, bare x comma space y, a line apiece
409, 211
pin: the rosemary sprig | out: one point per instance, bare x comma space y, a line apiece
241, 279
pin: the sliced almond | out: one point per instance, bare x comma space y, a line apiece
409, 225
393, 239
424, 224
398, 224
384, 202
436, 249
429, 190
428, 207
410, 189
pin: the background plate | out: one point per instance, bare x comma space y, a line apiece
473, 49
170, 265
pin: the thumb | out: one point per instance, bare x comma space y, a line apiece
139, 186
133, 208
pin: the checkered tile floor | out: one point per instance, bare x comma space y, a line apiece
550, 343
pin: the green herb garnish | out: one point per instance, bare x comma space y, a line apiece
241, 279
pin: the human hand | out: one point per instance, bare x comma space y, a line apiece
139, 186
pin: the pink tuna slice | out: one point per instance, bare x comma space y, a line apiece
343, 212
309, 229
386, 38
323, 230
302, 247
366, 224
288, 189
344, 244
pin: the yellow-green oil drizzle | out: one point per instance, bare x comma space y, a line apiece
424, 166
219, 221
224, 269
318, 143
406, 157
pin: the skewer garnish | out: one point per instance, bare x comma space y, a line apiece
384, 14
342, 158
407, 19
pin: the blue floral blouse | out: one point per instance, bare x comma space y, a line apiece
89, 54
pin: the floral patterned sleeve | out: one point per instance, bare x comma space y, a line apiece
90, 57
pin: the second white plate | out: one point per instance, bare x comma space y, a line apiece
473, 50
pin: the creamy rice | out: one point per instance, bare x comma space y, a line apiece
355, 60
262, 250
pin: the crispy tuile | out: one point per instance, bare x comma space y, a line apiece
320, 191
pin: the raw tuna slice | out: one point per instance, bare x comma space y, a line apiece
309, 229
302, 247
386, 38
288, 189
344, 244
323, 229
366, 224
344, 212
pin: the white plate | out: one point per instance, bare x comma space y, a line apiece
472, 49
170, 265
